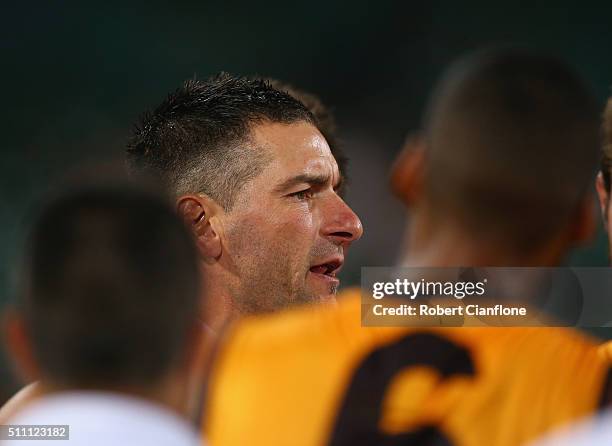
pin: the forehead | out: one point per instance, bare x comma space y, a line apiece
295, 148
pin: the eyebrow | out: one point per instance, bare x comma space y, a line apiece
313, 180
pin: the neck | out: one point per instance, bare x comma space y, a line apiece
169, 393
450, 246
217, 307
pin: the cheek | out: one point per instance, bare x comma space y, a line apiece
286, 234
296, 228
291, 238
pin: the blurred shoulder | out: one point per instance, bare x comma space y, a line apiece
24, 397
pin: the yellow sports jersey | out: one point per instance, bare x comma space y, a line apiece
605, 350
314, 376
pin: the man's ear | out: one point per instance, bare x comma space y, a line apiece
407, 173
19, 346
198, 213
603, 198
585, 226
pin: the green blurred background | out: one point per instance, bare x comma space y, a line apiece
76, 75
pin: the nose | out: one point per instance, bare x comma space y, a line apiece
341, 225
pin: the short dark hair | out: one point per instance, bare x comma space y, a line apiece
324, 120
194, 141
110, 287
513, 144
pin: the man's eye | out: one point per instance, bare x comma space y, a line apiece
302, 194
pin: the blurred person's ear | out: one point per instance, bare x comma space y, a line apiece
407, 173
584, 225
199, 213
603, 198
19, 346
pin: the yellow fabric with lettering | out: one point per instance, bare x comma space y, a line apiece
314, 376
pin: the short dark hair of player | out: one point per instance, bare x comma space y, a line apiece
606, 156
512, 140
110, 288
325, 121
196, 140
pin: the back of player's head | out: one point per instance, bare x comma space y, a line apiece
110, 288
512, 144
196, 140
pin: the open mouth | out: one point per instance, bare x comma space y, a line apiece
329, 269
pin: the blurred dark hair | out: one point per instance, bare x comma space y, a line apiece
110, 287
324, 120
513, 144
195, 140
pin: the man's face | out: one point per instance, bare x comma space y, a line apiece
286, 235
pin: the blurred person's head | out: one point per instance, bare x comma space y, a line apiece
502, 173
108, 293
255, 179
603, 182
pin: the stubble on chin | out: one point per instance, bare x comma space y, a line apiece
267, 286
